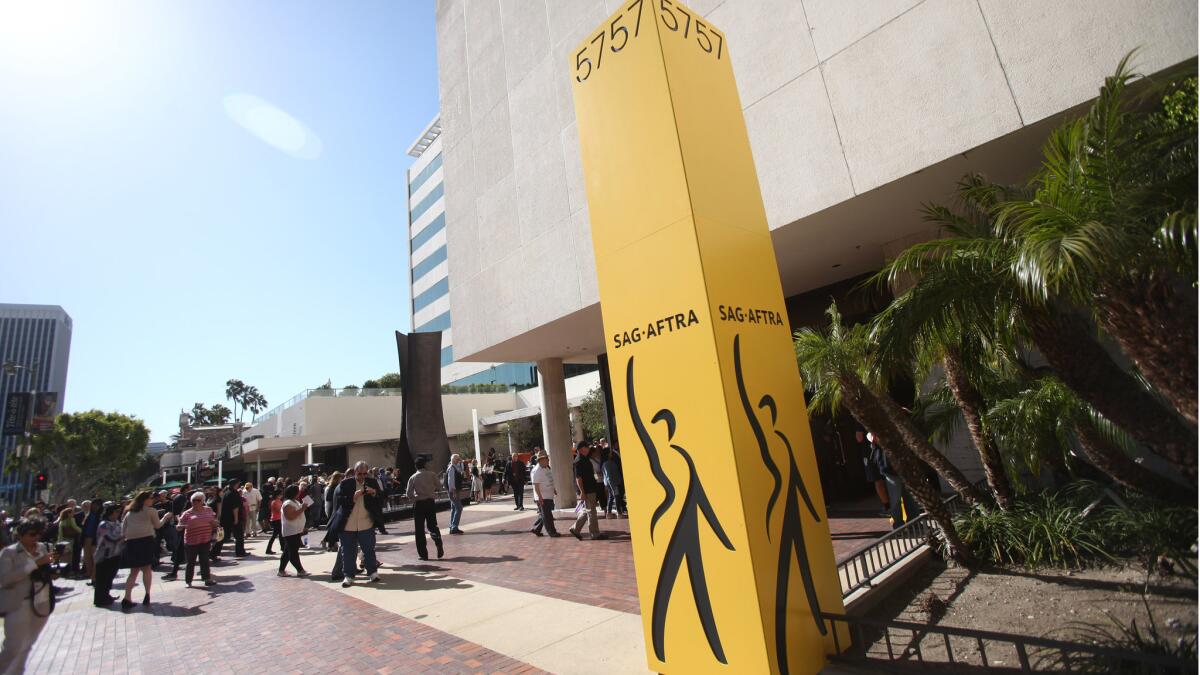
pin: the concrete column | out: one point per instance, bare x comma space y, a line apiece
556, 430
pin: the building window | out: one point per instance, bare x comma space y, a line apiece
447, 355
430, 169
430, 294
426, 202
441, 322
422, 268
436, 225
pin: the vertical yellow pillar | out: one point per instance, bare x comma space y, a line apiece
732, 550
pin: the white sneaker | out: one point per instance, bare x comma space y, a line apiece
375, 577
347, 582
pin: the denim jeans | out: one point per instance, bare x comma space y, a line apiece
455, 512
349, 543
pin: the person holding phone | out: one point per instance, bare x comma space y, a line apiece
292, 527
25, 597
359, 503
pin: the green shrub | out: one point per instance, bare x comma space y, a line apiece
1057, 529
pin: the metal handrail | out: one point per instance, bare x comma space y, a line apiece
1025, 646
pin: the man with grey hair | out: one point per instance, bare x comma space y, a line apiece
359, 504
455, 482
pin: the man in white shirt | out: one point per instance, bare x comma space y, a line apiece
543, 493
253, 499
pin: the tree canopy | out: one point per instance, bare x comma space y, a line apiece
89, 452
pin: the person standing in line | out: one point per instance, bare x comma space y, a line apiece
359, 512
253, 499
614, 482
25, 599
334, 481
231, 520
68, 533
543, 494
585, 481
516, 478
141, 548
179, 504
264, 506
91, 522
454, 483
292, 527
422, 486
276, 508
198, 525
107, 555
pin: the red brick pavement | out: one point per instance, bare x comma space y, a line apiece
598, 573
256, 623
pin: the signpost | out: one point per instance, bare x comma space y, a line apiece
731, 546
16, 413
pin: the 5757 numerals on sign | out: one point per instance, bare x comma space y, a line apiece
675, 18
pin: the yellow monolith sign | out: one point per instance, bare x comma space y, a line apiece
731, 546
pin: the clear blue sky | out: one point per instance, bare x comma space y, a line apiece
187, 249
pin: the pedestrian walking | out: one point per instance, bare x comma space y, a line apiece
292, 528
275, 521
107, 555
25, 597
422, 486
614, 483
516, 478
141, 548
585, 481
359, 511
455, 481
543, 494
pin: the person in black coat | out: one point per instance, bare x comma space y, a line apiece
358, 510
231, 519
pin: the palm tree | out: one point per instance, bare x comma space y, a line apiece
973, 278
235, 390
1111, 225
219, 414
253, 401
1046, 414
834, 365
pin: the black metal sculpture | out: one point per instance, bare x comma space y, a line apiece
422, 426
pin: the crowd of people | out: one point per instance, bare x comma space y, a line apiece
188, 529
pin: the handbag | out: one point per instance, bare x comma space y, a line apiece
220, 533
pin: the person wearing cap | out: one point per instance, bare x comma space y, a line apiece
585, 481
422, 486
543, 494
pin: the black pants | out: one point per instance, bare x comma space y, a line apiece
519, 494
76, 554
290, 552
545, 517
179, 555
235, 532
106, 571
425, 518
276, 532
197, 551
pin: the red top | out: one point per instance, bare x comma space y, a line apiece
198, 524
276, 507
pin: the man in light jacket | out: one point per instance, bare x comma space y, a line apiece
455, 480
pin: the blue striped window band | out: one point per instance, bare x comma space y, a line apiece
428, 171
447, 355
427, 201
436, 225
441, 322
430, 294
423, 267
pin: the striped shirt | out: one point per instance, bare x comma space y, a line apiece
198, 524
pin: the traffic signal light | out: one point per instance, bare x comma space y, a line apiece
40, 480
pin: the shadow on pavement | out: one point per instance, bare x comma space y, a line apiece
482, 559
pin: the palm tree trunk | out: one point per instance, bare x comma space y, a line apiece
1083, 365
867, 409
1155, 325
921, 446
1117, 465
971, 403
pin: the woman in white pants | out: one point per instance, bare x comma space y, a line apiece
24, 600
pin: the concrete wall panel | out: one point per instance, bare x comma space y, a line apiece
1056, 54
837, 24
768, 44
921, 88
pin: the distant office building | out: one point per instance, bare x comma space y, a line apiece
431, 268
35, 346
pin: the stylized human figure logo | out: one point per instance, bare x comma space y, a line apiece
791, 540
684, 544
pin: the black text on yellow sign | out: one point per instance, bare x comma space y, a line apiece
731, 546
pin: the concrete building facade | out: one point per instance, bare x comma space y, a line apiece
858, 111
